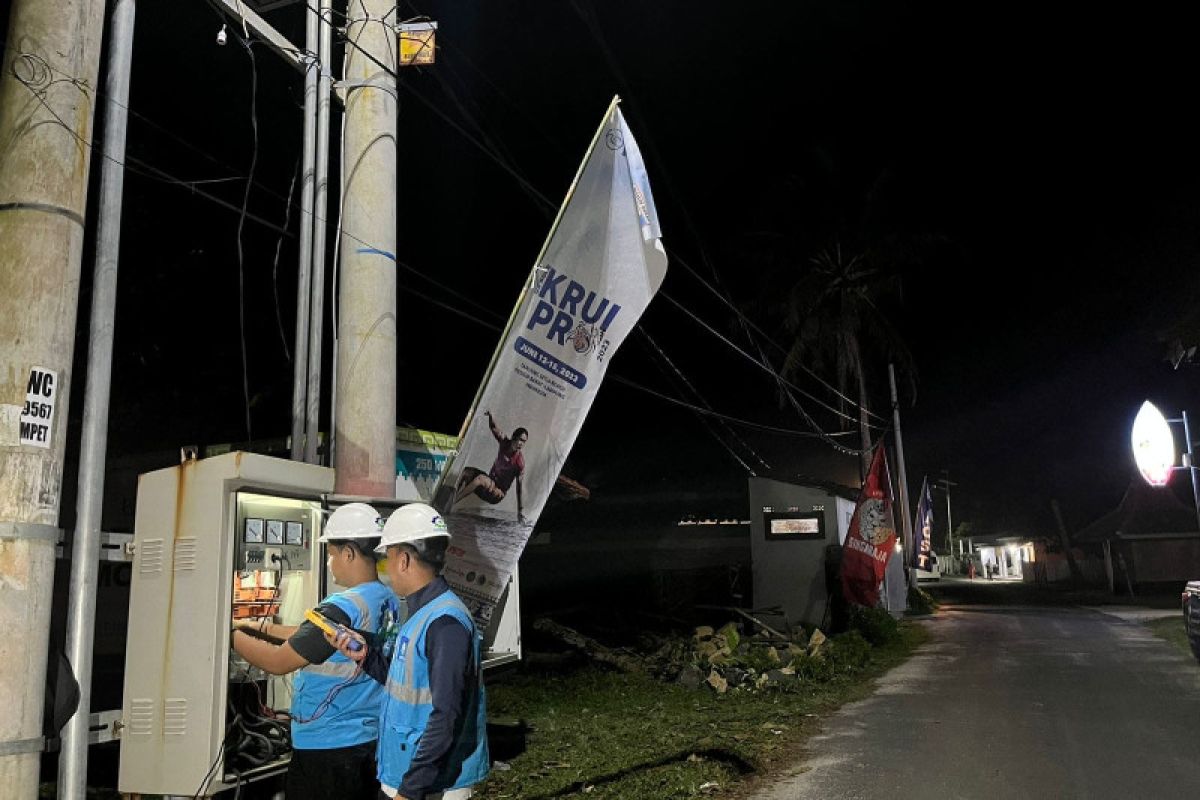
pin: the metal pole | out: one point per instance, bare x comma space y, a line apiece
46, 127
312, 423
365, 416
307, 223
85, 551
906, 527
949, 521
1191, 450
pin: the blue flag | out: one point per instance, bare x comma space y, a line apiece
923, 530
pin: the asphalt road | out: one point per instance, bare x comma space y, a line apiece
1020, 702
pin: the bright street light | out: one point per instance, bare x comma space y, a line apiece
1154, 449
1153, 445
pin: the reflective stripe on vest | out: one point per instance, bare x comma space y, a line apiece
333, 669
366, 620
407, 694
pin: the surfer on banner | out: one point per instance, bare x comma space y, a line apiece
509, 466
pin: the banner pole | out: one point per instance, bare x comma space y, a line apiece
529, 281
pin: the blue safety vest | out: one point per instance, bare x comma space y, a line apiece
352, 717
409, 702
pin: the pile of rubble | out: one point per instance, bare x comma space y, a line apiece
727, 659
723, 659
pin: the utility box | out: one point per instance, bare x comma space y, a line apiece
228, 537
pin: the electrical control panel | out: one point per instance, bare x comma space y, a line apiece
217, 542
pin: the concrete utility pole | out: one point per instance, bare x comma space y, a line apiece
89, 505
945, 484
307, 222
316, 331
47, 99
910, 569
365, 416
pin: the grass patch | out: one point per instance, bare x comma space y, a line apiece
616, 735
1171, 629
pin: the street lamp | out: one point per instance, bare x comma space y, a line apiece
1154, 449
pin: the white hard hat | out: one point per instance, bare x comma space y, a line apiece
352, 521
410, 523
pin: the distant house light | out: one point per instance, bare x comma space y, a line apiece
1153, 445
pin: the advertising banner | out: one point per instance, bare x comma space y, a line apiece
597, 272
923, 529
872, 536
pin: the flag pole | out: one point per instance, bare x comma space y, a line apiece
529, 282
906, 521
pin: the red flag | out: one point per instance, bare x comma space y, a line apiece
871, 538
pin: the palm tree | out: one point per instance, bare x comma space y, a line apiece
833, 318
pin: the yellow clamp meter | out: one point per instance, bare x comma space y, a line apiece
331, 628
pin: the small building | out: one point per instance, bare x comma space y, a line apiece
1151, 537
1005, 556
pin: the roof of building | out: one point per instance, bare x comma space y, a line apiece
1143, 510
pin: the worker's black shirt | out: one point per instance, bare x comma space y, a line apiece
309, 640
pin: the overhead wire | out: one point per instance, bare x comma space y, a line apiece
678, 374
287, 216
592, 23
248, 45
244, 214
493, 151
786, 386
734, 346
741, 315
821, 433
498, 328
131, 163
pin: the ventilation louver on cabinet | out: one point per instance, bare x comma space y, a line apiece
150, 556
175, 716
141, 717
185, 553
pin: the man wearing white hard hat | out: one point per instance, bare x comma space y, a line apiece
433, 727
335, 708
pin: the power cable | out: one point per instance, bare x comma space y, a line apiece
529, 187
592, 23
249, 47
538, 195
287, 216
735, 420
534, 192
664, 359
498, 328
493, 151
244, 214
131, 163
675, 257
765, 367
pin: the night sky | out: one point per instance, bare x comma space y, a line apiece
1042, 162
